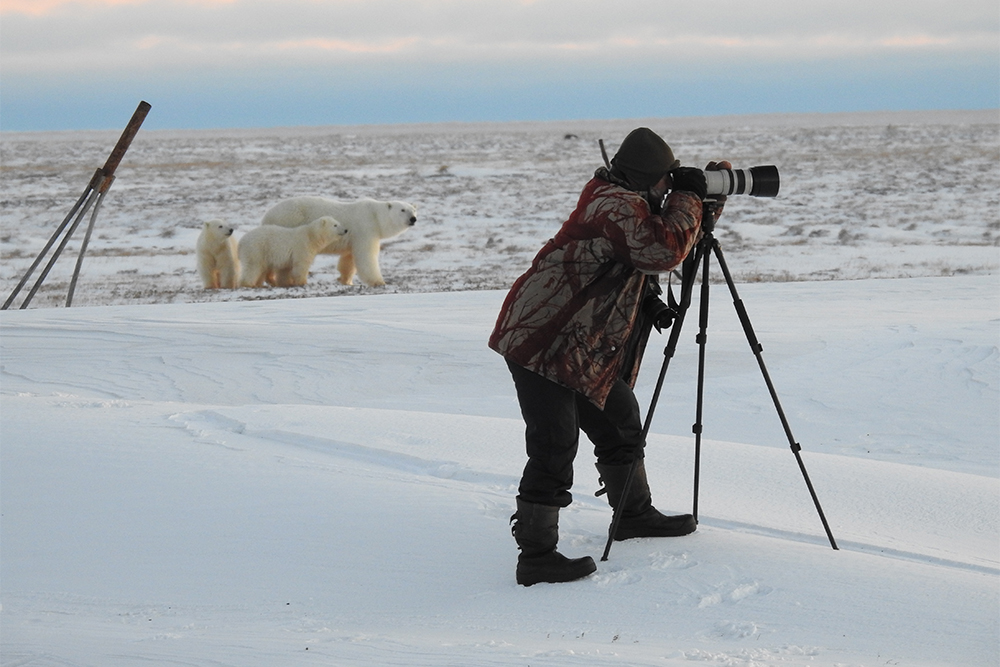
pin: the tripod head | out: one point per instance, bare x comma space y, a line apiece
709, 212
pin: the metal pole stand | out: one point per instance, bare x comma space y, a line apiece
701, 254
92, 197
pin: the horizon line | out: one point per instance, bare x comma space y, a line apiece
686, 119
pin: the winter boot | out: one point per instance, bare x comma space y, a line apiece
536, 530
639, 517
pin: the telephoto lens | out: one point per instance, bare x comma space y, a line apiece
756, 181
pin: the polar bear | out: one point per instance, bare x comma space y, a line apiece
282, 256
368, 222
218, 262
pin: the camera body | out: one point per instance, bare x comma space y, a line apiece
760, 181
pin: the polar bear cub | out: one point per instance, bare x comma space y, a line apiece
218, 261
367, 221
282, 256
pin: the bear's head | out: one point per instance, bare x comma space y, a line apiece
328, 228
395, 217
218, 228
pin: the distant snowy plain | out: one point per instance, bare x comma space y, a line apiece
883, 195
265, 479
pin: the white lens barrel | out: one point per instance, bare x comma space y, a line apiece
728, 181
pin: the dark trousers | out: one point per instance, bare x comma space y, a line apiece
554, 416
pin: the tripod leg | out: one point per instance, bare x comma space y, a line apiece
94, 196
86, 241
702, 340
668, 354
757, 350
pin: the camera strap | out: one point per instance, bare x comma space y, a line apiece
604, 154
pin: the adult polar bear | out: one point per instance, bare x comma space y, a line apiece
367, 221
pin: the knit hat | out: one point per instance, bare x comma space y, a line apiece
643, 158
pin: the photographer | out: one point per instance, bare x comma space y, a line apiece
573, 329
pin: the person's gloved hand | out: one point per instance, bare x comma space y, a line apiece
658, 312
690, 179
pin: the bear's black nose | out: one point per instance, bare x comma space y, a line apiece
413, 220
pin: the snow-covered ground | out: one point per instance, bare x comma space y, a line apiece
260, 480
329, 481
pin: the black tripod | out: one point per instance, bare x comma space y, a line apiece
701, 254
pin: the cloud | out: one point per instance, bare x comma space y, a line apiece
458, 51
48, 7
345, 46
121, 35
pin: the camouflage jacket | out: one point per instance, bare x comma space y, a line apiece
570, 316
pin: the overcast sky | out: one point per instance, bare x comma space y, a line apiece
85, 64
